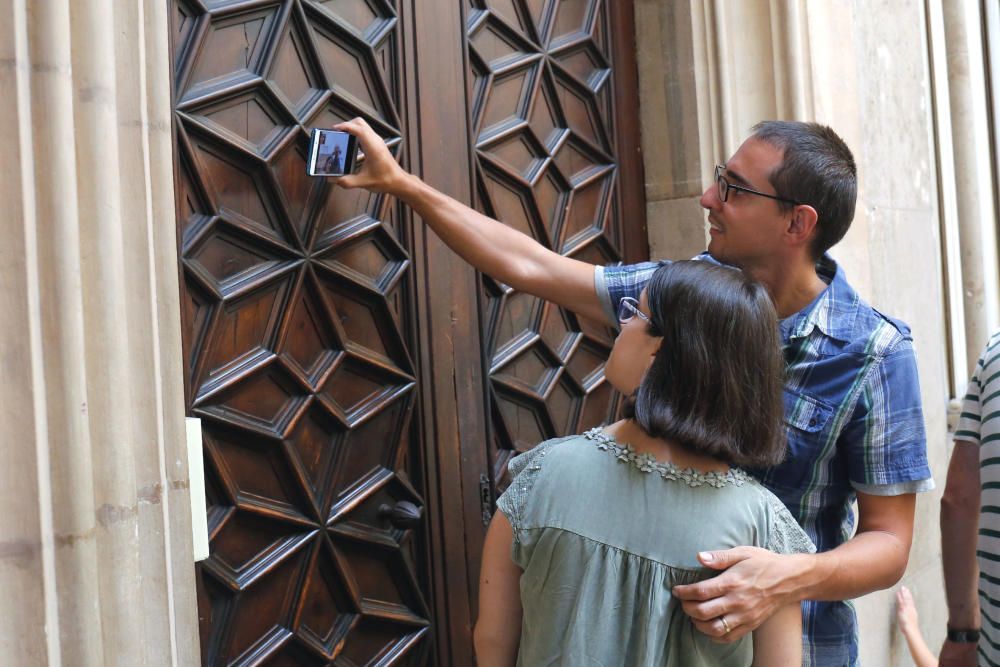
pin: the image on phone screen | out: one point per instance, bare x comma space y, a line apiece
331, 153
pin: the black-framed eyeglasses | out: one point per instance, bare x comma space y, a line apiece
629, 308
725, 186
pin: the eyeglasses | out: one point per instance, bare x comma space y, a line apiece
629, 308
725, 186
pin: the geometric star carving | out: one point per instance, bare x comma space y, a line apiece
545, 166
300, 369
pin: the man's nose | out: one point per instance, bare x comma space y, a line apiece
710, 197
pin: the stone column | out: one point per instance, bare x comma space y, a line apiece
95, 540
975, 193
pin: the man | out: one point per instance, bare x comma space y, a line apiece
970, 522
332, 164
855, 426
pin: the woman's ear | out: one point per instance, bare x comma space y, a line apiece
655, 342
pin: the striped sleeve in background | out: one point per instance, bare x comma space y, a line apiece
980, 424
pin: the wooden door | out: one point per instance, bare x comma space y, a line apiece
360, 388
552, 102
295, 314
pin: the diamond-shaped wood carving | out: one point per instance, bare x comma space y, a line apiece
546, 167
300, 308
298, 365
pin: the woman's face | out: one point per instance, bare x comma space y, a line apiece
633, 351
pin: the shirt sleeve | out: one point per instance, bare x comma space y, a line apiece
885, 440
784, 534
970, 421
613, 283
523, 470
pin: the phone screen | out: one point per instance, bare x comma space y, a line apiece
332, 153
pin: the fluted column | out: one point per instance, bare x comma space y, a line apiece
95, 541
974, 189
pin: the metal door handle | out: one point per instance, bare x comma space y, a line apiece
403, 515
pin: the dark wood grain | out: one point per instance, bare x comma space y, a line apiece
343, 361
299, 359
552, 98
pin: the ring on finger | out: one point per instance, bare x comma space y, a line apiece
725, 625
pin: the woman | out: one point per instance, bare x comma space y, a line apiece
596, 529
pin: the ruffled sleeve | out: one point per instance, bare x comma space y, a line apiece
523, 471
785, 535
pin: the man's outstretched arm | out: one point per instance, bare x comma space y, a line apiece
487, 244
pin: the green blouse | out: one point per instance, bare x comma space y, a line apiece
602, 535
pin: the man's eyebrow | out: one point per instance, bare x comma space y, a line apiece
734, 176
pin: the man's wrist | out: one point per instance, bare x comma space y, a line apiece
963, 635
403, 186
805, 575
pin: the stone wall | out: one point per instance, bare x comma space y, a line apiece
878, 73
96, 561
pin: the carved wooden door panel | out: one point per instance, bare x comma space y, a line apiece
552, 99
307, 308
296, 304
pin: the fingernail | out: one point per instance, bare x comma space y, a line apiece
705, 556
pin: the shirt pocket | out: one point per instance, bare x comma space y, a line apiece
805, 413
807, 424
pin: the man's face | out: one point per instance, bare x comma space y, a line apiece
746, 230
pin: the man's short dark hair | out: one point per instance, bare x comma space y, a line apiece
715, 384
818, 169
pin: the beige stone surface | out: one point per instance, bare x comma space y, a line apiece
864, 70
976, 193
667, 75
95, 544
676, 228
22, 523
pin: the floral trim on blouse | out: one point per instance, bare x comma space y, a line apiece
668, 471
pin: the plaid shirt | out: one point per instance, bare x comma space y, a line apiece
853, 419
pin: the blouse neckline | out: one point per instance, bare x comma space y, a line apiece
625, 453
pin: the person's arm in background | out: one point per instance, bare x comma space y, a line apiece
959, 533
909, 625
778, 641
498, 629
488, 245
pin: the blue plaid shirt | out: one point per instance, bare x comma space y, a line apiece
853, 419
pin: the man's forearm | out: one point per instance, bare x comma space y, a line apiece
959, 534
489, 245
869, 561
958, 540
502, 252
505, 253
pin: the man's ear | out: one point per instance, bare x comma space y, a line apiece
802, 225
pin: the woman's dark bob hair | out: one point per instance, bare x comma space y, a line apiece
715, 384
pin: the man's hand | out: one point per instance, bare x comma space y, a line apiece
747, 594
379, 172
954, 654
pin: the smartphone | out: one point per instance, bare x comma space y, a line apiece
331, 153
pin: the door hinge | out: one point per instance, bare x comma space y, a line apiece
486, 498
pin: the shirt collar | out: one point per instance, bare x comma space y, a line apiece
834, 310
